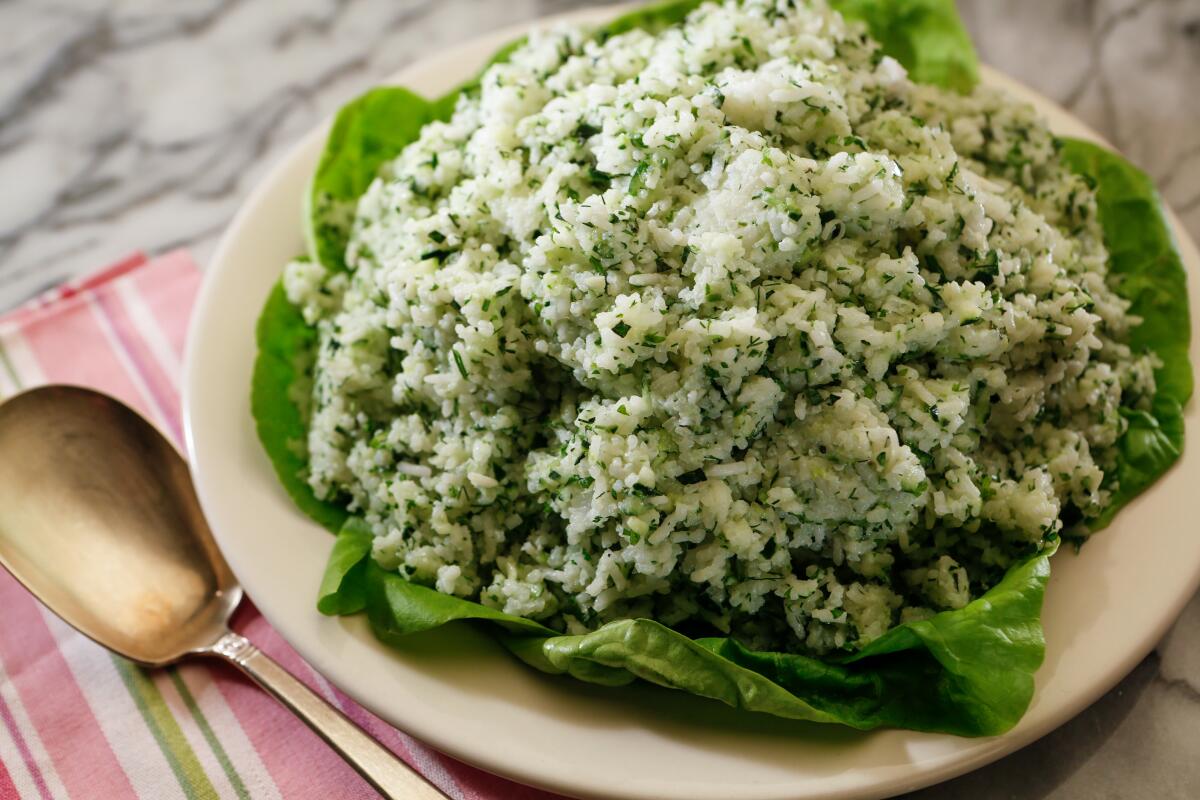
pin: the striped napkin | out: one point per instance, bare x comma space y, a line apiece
78, 722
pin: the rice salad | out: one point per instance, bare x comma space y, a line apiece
733, 327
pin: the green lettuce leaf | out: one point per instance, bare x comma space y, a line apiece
926, 36
279, 395
1146, 269
366, 133
343, 586
652, 18
967, 672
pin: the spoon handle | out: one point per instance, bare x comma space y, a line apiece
392, 777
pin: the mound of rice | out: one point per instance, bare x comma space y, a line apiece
734, 327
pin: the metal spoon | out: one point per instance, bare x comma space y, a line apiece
99, 520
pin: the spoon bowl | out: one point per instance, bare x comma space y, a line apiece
99, 521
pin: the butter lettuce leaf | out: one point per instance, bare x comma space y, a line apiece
279, 394
1145, 268
926, 36
343, 586
366, 133
967, 672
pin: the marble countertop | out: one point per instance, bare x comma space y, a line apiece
143, 125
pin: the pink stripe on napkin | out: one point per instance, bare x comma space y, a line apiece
62, 720
22, 747
7, 787
122, 330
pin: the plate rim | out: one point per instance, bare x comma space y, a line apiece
473, 51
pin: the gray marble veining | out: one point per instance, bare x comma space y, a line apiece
142, 125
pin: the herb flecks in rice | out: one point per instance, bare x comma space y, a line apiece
733, 327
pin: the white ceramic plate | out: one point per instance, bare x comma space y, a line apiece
455, 689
